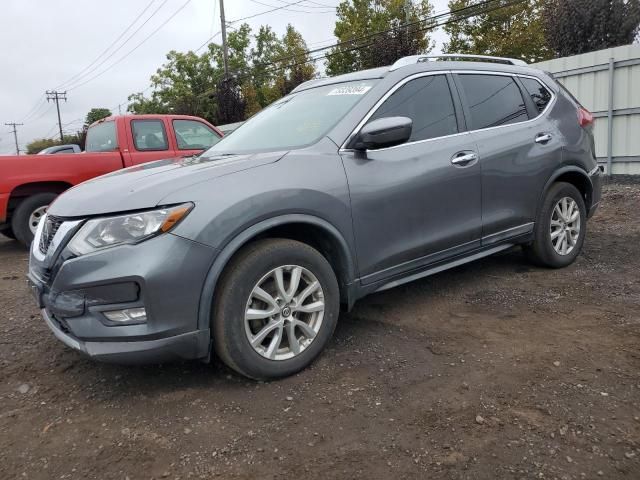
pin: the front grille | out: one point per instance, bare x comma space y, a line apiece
51, 225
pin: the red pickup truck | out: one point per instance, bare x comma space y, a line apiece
29, 183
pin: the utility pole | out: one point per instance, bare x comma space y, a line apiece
225, 51
56, 97
15, 133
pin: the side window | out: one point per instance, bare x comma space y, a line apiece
493, 100
101, 137
538, 92
427, 101
149, 135
194, 135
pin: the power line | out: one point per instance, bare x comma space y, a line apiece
41, 101
294, 10
266, 11
71, 86
80, 73
15, 133
133, 49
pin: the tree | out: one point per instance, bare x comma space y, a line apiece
96, 114
514, 30
360, 46
579, 26
195, 84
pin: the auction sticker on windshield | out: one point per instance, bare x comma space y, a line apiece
350, 90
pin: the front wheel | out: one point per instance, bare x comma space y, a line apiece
28, 214
560, 227
276, 309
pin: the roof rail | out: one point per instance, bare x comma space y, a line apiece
452, 56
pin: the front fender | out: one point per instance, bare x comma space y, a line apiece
227, 252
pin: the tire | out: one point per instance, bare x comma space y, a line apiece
7, 231
547, 251
22, 215
256, 266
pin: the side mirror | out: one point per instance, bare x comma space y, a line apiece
383, 132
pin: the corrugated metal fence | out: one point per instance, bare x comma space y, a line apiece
607, 82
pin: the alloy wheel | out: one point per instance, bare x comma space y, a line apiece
284, 312
565, 226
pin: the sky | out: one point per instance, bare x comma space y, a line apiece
59, 44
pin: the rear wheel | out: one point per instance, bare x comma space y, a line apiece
28, 214
276, 309
560, 227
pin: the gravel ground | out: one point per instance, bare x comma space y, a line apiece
496, 369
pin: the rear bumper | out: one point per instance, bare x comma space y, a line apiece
597, 178
185, 346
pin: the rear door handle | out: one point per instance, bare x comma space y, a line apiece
543, 138
464, 159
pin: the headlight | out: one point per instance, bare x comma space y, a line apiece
125, 229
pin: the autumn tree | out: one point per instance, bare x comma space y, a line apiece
371, 33
578, 26
501, 28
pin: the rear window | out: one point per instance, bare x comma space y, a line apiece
102, 138
540, 95
493, 100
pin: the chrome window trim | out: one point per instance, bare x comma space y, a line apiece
444, 72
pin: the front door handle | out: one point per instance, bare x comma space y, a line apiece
464, 159
543, 138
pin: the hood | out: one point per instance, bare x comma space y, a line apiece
144, 186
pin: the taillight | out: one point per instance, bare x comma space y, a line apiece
585, 117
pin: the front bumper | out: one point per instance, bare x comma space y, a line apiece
164, 275
185, 346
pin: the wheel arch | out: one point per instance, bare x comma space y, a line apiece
308, 229
577, 177
32, 188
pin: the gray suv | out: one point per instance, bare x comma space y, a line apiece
349, 185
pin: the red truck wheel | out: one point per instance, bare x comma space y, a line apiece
27, 215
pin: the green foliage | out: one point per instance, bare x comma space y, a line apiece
261, 70
361, 18
514, 31
96, 114
609, 23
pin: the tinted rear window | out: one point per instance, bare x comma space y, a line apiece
540, 95
493, 100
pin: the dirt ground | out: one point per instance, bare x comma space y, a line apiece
493, 370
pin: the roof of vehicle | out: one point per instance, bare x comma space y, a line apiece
149, 116
481, 64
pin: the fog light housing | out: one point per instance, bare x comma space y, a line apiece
127, 315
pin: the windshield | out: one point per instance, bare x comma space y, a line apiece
296, 120
102, 137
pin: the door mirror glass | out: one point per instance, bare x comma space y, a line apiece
383, 132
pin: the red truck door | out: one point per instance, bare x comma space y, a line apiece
149, 140
193, 136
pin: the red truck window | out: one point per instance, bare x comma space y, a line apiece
102, 138
149, 135
194, 135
